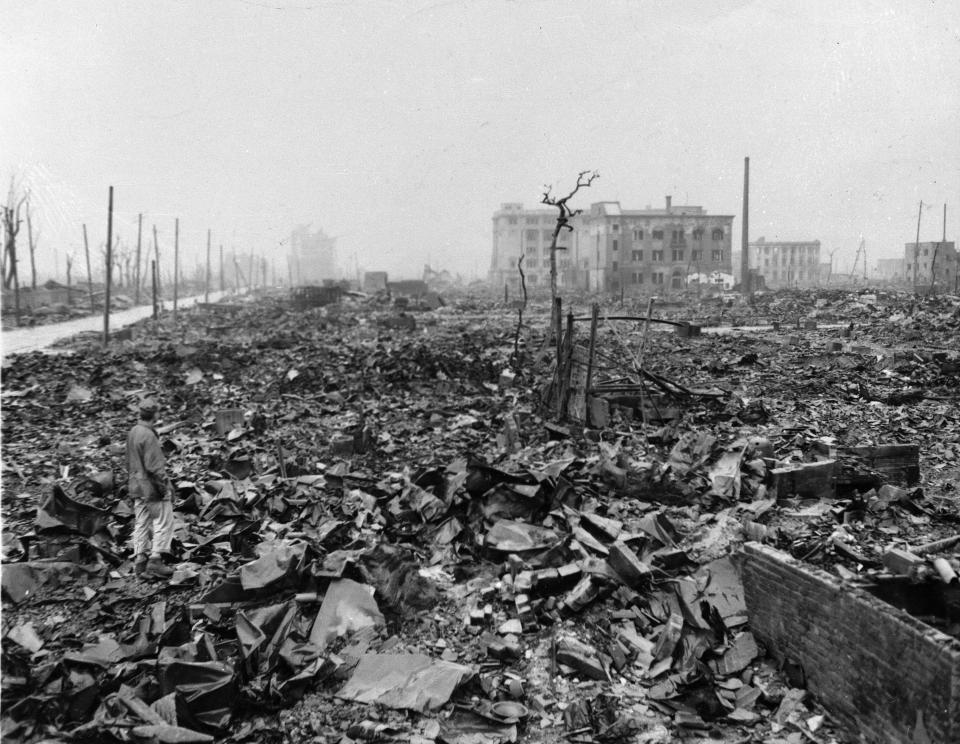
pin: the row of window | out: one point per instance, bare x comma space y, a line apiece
677, 236
811, 260
677, 254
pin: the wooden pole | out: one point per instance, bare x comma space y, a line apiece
176, 266
206, 284
136, 296
221, 268
745, 287
106, 290
594, 318
153, 281
916, 248
86, 250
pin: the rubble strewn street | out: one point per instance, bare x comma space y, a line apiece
399, 524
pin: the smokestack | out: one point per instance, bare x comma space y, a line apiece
745, 237
669, 199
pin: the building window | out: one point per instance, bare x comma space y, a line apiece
637, 277
718, 234
638, 234
696, 254
716, 255
657, 255
547, 236
531, 220
511, 220
677, 236
616, 227
615, 266
616, 245
698, 234
532, 279
546, 263
658, 234
531, 236
656, 277
636, 256
676, 281
678, 254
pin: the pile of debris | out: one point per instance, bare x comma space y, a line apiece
372, 515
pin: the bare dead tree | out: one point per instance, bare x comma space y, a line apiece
565, 214
11, 226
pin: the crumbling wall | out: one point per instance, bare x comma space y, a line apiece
873, 666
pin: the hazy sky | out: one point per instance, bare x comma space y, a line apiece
401, 126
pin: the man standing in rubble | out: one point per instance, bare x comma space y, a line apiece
152, 494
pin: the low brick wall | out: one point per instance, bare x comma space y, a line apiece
875, 668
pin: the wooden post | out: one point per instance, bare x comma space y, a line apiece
563, 370
176, 266
153, 281
106, 295
506, 293
86, 250
136, 296
646, 331
206, 284
594, 318
221, 268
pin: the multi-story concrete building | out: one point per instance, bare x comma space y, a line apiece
931, 264
786, 264
528, 232
639, 251
312, 256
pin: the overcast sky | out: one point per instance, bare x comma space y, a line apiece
401, 126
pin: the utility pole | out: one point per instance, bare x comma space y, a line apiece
106, 296
176, 266
221, 268
153, 281
916, 248
86, 250
206, 284
136, 296
745, 237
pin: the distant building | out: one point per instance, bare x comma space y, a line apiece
786, 264
639, 251
931, 264
374, 281
312, 256
890, 270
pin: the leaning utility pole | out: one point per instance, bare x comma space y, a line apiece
106, 289
176, 266
745, 287
86, 250
136, 295
206, 284
916, 248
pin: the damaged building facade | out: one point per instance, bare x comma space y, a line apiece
932, 264
786, 264
638, 251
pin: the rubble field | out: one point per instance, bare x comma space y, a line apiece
398, 524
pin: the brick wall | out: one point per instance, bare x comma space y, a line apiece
873, 667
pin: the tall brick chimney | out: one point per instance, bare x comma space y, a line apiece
669, 199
